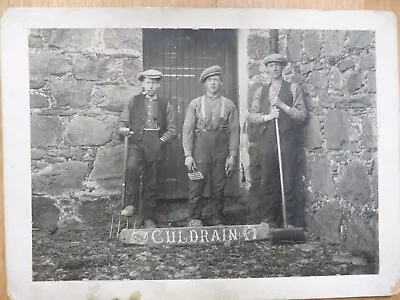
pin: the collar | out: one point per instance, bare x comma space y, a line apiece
213, 97
150, 98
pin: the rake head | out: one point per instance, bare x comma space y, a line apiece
119, 222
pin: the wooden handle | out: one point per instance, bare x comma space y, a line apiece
278, 141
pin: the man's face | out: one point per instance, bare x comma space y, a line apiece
213, 84
150, 86
274, 69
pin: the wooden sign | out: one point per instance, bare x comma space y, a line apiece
195, 235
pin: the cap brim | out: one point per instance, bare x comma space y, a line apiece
208, 75
142, 77
283, 62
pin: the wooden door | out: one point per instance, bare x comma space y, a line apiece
182, 54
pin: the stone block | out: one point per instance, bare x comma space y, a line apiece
336, 124
71, 153
59, 66
359, 39
307, 68
253, 69
371, 81
257, 47
60, 178
367, 61
35, 42
361, 236
312, 44
297, 78
95, 69
72, 94
38, 65
36, 83
113, 98
294, 47
39, 101
45, 131
335, 79
45, 214
354, 186
130, 69
346, 64
353, 101
369, 134
327, 220
108, 166
334, 42
318, 80
313, 135
71, 38
319, 174
87, 131
355, 81
123, 38
38, 153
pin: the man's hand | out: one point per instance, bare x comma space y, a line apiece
275, 101
190, 163
274, 112
229, 165
124, 131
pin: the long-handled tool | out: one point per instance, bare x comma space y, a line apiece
285, 233
123, 198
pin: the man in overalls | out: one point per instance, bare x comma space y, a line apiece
210, 141
284, 101
152, 121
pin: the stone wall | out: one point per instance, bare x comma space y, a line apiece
338, 175
79, 81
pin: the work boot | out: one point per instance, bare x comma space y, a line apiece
195, 223
270, 223
149, 224
128, 211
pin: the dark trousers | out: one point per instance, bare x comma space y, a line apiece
210, 152
144, 156
270, 199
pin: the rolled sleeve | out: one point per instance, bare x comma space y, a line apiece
298, 111
255, 116
234, 131
188, 129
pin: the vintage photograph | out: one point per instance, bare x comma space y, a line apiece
164, 154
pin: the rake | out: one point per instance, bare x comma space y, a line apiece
123, 221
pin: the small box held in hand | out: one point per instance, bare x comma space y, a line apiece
195, 176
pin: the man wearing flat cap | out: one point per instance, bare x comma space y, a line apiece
210, 142
284, 101
151, 119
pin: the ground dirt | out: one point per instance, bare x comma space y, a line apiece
81, 254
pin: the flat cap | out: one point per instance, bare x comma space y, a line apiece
276, 57
153, 74
214, 70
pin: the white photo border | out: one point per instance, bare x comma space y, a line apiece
15, 27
